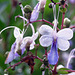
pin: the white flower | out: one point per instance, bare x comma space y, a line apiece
29, 41
62, 37
19, 37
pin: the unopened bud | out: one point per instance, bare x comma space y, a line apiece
13, 68
27, 9
51, 5
45, 60
42, 67
62, 2
62, 9
28, 15
67, 22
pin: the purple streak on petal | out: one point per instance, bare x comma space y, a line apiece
35, 13
10, 56
53, 55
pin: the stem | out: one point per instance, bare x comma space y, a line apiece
14, 65
70, 70
63, 15
38, 58
46, 52
72, 27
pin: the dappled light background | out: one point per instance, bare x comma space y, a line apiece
8, 10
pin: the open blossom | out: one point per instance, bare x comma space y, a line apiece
56, 40
20, 44
15, 47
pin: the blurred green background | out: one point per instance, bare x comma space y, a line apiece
8, 10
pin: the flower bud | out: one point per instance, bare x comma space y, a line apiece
13, 68
51, 5
27, 9
28, 15
41, 5
67, 22
63, 10
45, 61
42, 67
62, 2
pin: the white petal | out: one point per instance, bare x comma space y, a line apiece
45, 40
32, 45
66, 33
25, 41
45, 30
35, 36
16, 32
63, 44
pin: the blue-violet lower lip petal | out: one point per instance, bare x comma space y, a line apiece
53, 55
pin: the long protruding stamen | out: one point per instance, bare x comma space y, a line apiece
33, 30
55, 21
8, 28
58, 13
71, 55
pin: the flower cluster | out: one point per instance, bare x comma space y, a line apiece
49, 37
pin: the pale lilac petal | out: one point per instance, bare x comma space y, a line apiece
16, 55
35, 13
66, 34
13, 46
45, 30
32, 45
35, 36
53, 55
9, 58
63, 44
45, 40
23, 50
16, 32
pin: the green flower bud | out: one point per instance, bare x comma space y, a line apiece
28, 15
27, 9
50, 5
45, 60
67, 22
63, 10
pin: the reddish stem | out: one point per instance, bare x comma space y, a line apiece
63, 15
72, 27
70, 70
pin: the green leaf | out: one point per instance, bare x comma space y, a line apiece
63, 71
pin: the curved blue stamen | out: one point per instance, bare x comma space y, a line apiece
53, 55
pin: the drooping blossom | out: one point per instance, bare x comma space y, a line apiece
15, 47
35, 13
21, 44
55, 39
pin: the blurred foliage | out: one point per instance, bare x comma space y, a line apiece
8, 10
